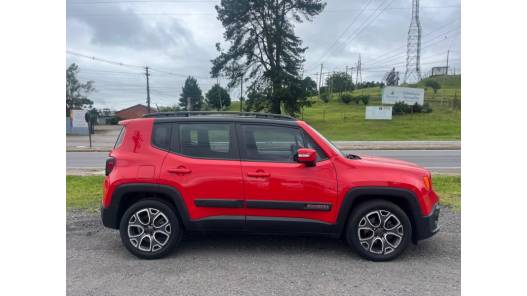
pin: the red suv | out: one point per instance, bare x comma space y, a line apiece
171, 173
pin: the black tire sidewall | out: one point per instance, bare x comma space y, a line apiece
363, 209
162, 206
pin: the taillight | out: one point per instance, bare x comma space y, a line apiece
110, 164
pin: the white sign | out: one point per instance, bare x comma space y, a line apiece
379, 112
78, 118
394, 94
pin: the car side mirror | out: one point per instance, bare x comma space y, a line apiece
306, 156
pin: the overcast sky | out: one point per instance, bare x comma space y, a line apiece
177, 38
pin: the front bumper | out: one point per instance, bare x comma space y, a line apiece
427, 226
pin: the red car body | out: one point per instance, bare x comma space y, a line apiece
242, 195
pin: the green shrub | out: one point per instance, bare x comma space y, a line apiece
401, 108
365, 99
426, 108
346, 98
324, 97
416, 108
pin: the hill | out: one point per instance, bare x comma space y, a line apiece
339, 121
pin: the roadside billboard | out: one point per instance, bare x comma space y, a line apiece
379, 112
78, 119
408, 95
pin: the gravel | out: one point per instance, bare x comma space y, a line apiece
97, 264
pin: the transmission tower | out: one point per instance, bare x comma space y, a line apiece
413, 53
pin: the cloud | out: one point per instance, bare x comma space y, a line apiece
179, 37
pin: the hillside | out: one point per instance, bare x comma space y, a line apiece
339, 121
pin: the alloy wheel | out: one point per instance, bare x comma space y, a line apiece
149, 230
380, 232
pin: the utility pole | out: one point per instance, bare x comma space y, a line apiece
241, 94
147, 89
320, 80
219, 94
189, 104
447, 54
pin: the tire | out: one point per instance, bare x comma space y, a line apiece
371, 231
150, 229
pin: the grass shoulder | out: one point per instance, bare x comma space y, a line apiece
85, 192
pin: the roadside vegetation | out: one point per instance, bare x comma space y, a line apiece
85, 192
341, 119
449, 190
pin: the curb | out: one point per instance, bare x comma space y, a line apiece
346, 145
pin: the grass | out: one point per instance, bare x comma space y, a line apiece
339, 121
85, 192
449, 190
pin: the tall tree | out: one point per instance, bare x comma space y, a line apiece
311, 86
264, 48
340, 81
218, 97
76, 91
191, 91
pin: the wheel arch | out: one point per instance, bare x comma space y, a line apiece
127, 194
405, 199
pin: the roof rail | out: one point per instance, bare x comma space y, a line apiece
219, 113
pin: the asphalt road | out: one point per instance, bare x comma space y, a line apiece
97, 264
447, 161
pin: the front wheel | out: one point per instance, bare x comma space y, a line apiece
378, 230
150, 229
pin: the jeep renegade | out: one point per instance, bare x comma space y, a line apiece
171, 173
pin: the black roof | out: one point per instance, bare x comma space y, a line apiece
208, 116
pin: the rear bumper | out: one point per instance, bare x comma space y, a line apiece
427, 226
109, 217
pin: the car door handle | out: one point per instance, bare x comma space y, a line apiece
259, 174
180, 170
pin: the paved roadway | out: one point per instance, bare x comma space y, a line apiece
216, 265
444, 161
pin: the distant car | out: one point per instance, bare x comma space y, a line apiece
171, 173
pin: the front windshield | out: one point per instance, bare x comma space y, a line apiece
333, 146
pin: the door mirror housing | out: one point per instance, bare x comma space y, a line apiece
306, 156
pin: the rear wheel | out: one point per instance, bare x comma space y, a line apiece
150, 229
378, 230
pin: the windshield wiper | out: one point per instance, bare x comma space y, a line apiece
352, 156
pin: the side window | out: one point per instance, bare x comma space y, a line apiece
206, 140
270, 143
120, 138
161, 135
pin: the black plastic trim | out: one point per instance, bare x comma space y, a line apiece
288, 205
111, 216
286, 225
421, 229
218, 203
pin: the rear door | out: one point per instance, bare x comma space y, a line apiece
281, 194
204, 166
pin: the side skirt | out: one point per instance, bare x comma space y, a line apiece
264, 225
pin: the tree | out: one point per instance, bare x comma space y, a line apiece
339, 82
218, 97
76, 91
264, 48
310, 86
191, 90
434, 85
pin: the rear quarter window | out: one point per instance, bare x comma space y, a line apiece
161, 135
120, 138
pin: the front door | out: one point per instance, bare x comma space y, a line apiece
281, 194
204, 167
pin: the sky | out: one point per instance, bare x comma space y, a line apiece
176, 38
